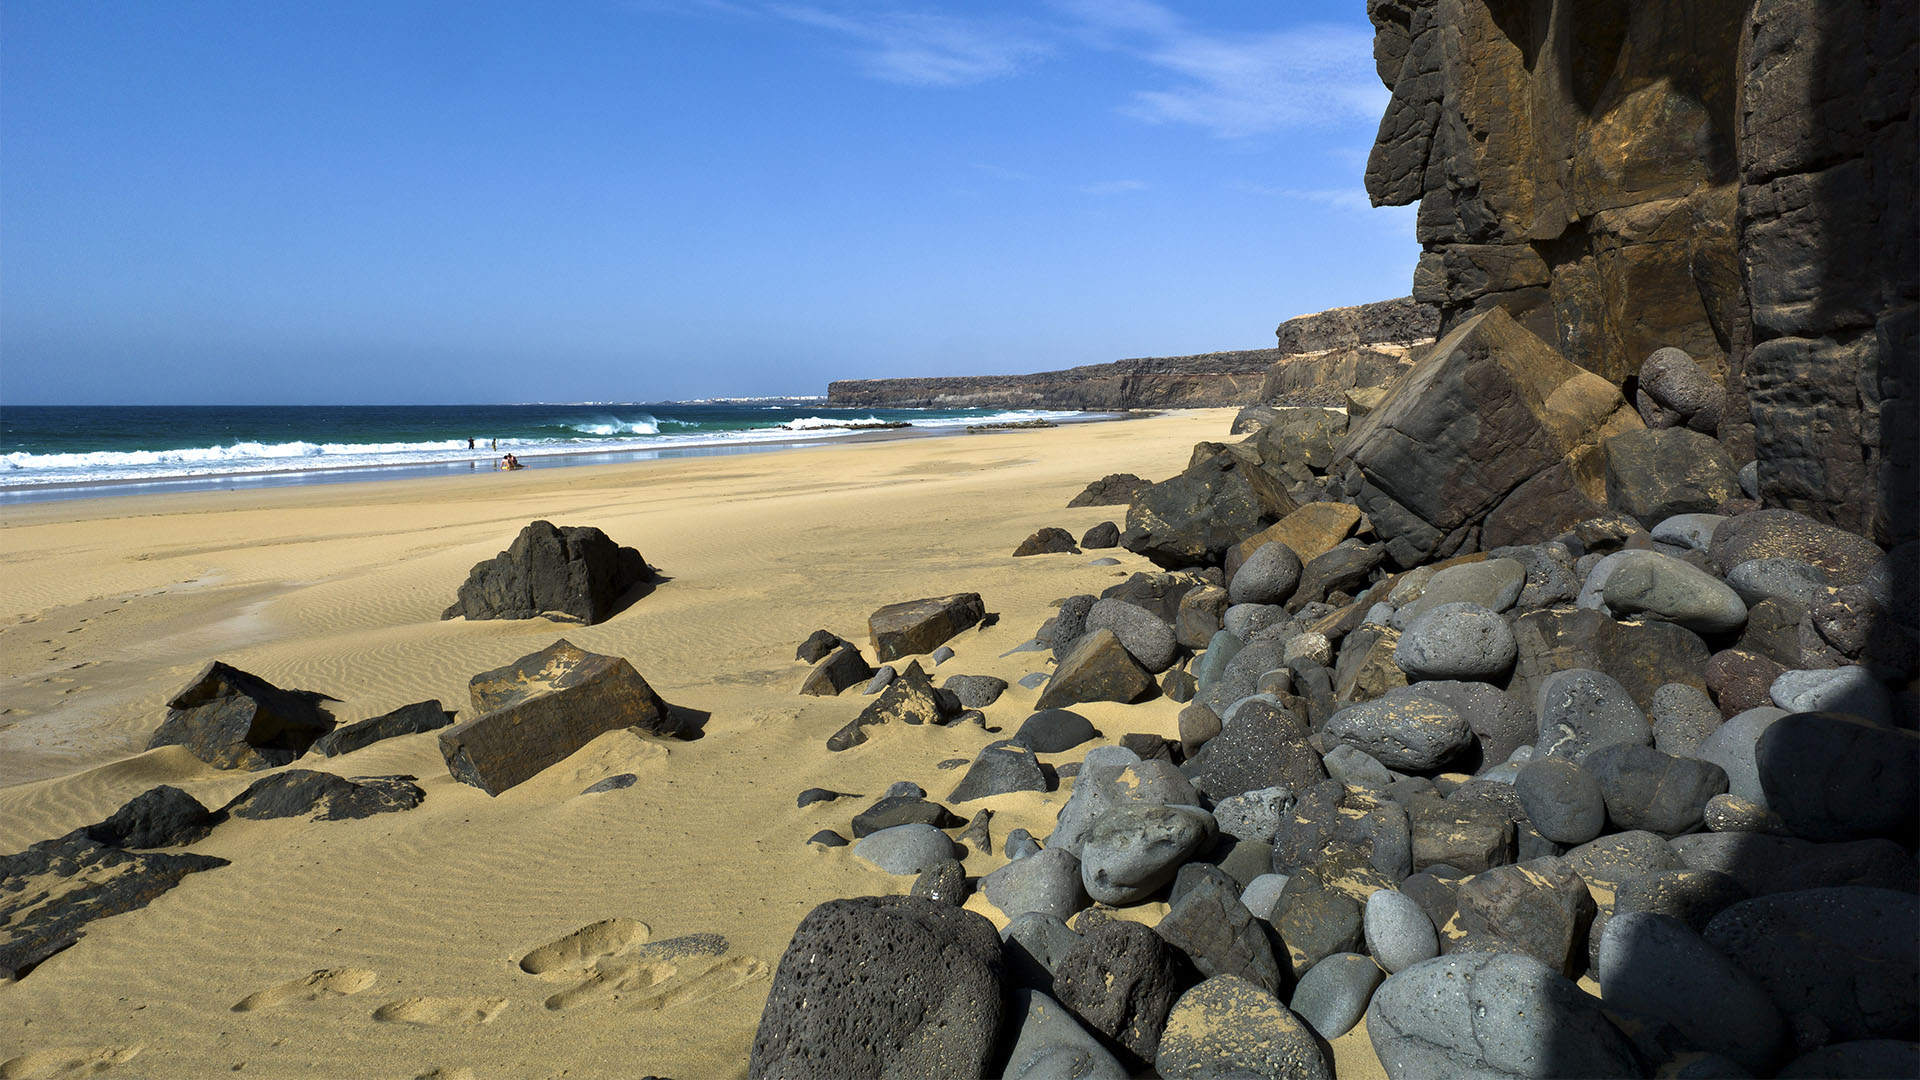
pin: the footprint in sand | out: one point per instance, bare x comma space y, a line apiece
586, 946
325, 983
458, 1072
728, 974
609, 982
658, 975
440, 1012
66, 1061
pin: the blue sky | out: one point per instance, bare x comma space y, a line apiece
408, 201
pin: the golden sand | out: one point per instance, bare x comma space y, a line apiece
513, 936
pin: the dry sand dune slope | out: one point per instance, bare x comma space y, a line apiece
546, 932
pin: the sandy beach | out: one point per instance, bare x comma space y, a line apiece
108, 607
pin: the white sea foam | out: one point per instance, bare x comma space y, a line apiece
26, 470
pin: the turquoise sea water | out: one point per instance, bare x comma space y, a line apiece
67, 451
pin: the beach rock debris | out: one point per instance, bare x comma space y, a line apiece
544, 706
232, 719
572, 573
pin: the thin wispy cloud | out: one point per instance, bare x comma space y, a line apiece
919, 49
1333, 198
1239, 85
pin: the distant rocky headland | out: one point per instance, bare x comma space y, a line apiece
1315, 357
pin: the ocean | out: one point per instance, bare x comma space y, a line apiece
61, 451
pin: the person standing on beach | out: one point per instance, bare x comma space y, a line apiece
470, 445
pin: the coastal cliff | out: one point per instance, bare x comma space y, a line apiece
1734, 178
1315, 356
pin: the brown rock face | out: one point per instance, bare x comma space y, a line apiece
1734, 178
1828, 231
1573, 163
919, 626
541, 708
1491, 408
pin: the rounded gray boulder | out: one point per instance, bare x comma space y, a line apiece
1269, 576
1456, 641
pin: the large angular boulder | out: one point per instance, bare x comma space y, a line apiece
920, 626
231, 719
1489, 409
1097, 668
572, 573
882, 986
1193, 518
544, 706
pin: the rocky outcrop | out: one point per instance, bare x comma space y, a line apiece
1734, 178
1828, 230
1317, 358
1573, 164
574, 573
232, 719
1324, 355
1189, 382
544, 706
1492, 431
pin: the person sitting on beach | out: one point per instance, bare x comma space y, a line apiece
511, 462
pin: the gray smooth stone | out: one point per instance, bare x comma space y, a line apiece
1493, 584
1333, 996
1492, 1015
1401, 731
881, 678
1053, 1046
1113, 776
1047, 882
1582, 710
1646, 789
1456, 641
1135, 848
1142, 633
1682, 716
1399, 933
1268, 576
1667, 588
999, 769
1792, 580
1212, 662
906, 849
1033, 945
1844, 955
1841, 690
1248, 621
1563, 801
1262, 893
1355, 767
1693, 531
1654, 964
1253, 815
1733, 746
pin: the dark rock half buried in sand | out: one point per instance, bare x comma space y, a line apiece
572, 573
920, 626
544, 706
232, 719
405, 720
49, 892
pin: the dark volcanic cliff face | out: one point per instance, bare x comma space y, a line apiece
1208, 379
1323, 353
1732, 177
